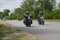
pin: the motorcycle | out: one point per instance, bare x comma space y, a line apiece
19, 19
28, 22
41, 21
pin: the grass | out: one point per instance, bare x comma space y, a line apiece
23, 36
4, 30
18, 30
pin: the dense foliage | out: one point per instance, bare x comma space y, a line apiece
4, 30
34, 7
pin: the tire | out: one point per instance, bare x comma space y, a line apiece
39, 23
24, 22
29, 25
26, 25
43, 23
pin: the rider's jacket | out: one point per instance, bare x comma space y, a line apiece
27, 15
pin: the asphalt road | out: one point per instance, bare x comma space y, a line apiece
49, 31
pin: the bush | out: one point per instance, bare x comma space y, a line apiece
52, 14
4, 30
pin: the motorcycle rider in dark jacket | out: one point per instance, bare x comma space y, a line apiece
40, 18
26, 17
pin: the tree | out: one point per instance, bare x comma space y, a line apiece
28, 5
34, 6
47, 4
53, 3
1, 15
17, 10
59, 5
6, 12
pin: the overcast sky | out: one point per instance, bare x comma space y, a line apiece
58, 1
11, 4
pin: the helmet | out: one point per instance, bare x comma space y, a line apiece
27, 11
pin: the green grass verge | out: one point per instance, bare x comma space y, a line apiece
23, 36
4, 30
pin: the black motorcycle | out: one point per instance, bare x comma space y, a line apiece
41, 20
28, 21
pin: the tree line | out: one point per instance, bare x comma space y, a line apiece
34, 7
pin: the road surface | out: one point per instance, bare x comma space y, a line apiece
49, 31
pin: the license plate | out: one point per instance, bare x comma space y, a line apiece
28, 17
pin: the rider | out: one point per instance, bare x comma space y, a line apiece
40, 14
40, 17
27, 15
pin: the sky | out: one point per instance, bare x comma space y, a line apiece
11, 4
58, 1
